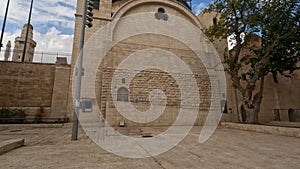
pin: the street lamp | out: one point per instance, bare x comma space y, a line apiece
87, 18
26, 37
3, 26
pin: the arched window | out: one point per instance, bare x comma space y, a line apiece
122, 94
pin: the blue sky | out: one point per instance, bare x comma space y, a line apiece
53, 22
199, 5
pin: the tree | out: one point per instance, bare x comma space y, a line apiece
273, 25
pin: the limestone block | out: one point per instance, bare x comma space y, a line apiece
9, 145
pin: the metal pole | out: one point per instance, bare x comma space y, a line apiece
26, 38
3, 26
79, 74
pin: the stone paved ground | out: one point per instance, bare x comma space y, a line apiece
52, 148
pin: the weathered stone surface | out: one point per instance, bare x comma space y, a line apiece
275, 130
8, 145
41, 90
226, 149
20, 43
146, 81
26, 84
60, 91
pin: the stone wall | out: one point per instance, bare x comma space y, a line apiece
39, 89
140, 88
60, 91
146, 81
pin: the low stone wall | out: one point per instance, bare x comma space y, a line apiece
275, 130
26, 84
34, 112
41, 90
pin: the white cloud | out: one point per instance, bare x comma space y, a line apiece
44, 11
54, 12
46, 14
54, 41
51, 44
199, 8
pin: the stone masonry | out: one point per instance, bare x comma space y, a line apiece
39, 89
19, 45
146, 80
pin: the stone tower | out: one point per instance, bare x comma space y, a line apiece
19, 45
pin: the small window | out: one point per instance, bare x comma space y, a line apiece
122, 94
161, 10
161, 14
215, 21
123, 80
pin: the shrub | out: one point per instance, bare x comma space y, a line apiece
12, 115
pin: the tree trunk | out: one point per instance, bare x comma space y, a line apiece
249, 109
256, 104
247, 112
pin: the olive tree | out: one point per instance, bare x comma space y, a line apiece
274, 26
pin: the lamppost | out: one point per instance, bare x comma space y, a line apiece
26, 37
87, 18
3, 26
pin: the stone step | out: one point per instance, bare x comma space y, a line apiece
274, 130
9, 145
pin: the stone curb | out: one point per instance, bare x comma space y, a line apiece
275, 130
9, 145
20, 126
285, 124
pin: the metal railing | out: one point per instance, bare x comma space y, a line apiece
42, 57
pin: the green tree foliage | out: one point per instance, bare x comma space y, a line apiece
274, 25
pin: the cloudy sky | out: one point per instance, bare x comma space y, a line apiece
52, 20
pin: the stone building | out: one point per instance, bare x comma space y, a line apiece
7, 51
276, 96
47, 90
162, 14
19, 45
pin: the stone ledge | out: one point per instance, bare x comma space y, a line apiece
13, 126
285, 124
275, 130
9, 145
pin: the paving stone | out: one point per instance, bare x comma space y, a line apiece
226, 149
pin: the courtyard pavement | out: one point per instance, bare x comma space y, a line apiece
227, 148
